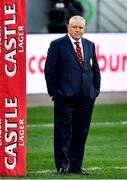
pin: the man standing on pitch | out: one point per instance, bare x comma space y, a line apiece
73, 81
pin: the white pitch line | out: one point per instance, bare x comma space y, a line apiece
50, 125
109, 123
91, 168
40, 125
106, 168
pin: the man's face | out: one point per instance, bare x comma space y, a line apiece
76, 29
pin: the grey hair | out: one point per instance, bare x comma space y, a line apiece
77, 18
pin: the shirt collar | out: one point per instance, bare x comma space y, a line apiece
73, 40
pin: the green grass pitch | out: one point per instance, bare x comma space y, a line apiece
106, 147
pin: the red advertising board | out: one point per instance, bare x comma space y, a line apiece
12, 88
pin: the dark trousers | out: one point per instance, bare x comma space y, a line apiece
71, 126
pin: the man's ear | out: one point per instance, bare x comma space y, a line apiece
67, 26
84, 29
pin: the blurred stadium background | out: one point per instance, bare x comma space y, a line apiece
107, 140
102, 15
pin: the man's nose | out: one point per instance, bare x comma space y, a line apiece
77, 29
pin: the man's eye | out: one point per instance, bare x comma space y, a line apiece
75, 27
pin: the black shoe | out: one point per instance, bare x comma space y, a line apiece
63, 169
78, 171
